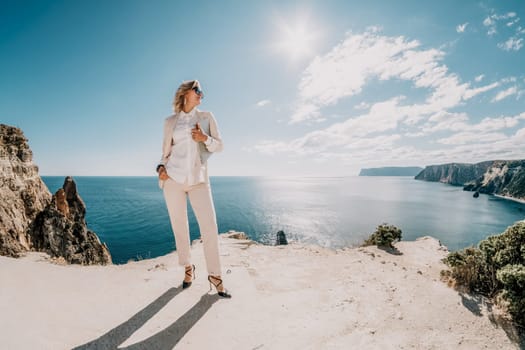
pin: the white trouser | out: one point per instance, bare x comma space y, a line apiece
202, 204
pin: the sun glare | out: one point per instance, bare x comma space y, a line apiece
296, 39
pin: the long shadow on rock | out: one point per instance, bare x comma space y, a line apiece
167, 338
473, 303
390, 250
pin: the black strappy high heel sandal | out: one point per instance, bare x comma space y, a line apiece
189, 272
224, 293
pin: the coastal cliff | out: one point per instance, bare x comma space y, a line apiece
456, 174
500, 177
32, 219
505, 178
23, 192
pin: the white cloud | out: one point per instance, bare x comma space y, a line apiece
491, 24
505, 93
385, 150
369, 129
263, 103
444, 120
426, 129
487, 22
492, 21
458, 122
473, 92
513, 43
509, 147
381, 142
510, 79
460, 28
492, 31
381, 117
270, 147
362, 105
498, 123
344, 71
465, 137
351, 133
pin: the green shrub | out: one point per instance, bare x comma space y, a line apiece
513, 279
497, 266
467, 268
384, 236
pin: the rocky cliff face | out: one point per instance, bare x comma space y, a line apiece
506, 178
23, 193
32, 219
502, 177
456, 174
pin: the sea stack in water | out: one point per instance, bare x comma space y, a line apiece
281, 238
61, 231
32, 219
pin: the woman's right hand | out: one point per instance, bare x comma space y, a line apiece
163, 175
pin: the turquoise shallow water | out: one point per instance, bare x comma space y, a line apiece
129, 213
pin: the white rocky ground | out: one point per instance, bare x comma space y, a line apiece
285, 297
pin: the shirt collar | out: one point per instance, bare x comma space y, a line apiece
189, 114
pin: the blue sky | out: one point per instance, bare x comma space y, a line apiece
310, 88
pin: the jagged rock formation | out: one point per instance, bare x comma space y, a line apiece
391, 171
23, 192
61, 230
236, 235
32, 219
502, 177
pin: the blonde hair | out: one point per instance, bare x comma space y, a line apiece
179, 99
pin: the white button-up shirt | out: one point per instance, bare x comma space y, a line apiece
184, 151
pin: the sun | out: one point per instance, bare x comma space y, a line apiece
296, 38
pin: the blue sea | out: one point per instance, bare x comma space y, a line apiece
129, 213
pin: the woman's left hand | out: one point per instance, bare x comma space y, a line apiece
197, 134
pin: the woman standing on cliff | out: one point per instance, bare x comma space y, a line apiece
190, 137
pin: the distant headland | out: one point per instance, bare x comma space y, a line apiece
391, 171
